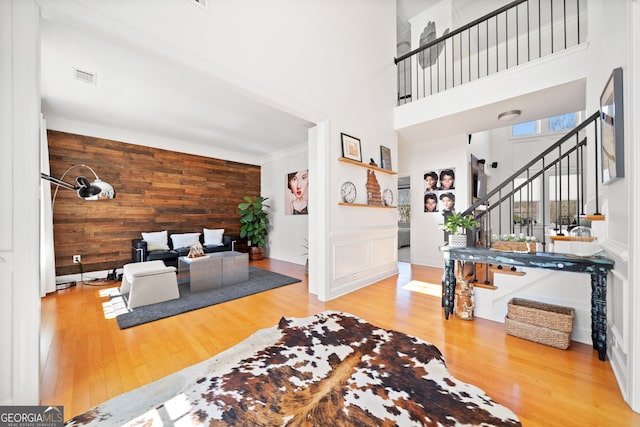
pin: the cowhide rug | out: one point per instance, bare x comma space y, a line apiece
332, 369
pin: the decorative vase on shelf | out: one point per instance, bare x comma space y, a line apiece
456, 225
457, 240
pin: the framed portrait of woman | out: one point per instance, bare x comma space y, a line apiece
296, 193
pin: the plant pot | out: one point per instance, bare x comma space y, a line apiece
255, 253
458, 240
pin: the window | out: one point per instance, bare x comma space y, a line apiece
563, 212
524, 129
404, 205
562, 122
527, 206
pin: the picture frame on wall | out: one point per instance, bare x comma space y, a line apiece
612, 129
385, 158
351, 147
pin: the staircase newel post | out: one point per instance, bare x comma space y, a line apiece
595, 137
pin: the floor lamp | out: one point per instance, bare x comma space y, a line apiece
86, 190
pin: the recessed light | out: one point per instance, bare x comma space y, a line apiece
509, 115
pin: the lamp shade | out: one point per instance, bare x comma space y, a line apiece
85, 189
106, 190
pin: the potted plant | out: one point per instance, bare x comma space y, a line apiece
457, 225
255, 224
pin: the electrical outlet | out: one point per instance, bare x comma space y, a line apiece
77, 259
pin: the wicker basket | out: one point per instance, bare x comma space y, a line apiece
541, 314
538, 334
540, 322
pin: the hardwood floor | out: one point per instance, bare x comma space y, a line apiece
87, 359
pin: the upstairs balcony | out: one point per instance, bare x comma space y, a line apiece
516, 34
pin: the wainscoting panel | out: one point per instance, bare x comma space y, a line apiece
384, 250
362, 257
351, 259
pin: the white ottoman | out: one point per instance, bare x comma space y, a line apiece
149, 283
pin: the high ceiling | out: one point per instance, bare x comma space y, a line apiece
153, 97
146, 96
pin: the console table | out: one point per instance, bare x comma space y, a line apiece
597, 266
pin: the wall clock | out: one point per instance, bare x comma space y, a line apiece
348, 192
387, 197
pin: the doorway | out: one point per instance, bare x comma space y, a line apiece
404, 219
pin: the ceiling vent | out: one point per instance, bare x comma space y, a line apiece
85, 76
202, 3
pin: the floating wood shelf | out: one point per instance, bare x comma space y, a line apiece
595, 217
364, 165
362, 205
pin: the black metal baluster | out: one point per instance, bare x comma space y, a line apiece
560, 183
551, 23
578, 18
506, 40
517, 37
469, 50
497, 44
431, 70
528, 34
579, 193
544, 207
595, 146
564, 18
539, 31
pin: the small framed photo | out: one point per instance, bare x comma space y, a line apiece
612, 128
351, 147
385, 158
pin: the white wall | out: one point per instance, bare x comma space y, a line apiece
611, 50
421, 157
19, 207
288, 232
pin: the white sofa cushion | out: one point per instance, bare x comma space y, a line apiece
185, 240
213, 237
156, 241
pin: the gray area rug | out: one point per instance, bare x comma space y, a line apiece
259, 280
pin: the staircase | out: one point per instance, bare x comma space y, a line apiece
549, 195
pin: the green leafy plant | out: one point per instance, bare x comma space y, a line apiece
456, 223
254, 220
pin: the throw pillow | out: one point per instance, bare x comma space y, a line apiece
185, 240
213, 237
156, 241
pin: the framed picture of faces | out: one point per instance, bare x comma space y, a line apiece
439, 190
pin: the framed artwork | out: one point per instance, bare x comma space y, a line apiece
296, 193
385, 158
612, 128
351, 147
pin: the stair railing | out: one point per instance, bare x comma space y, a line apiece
548, 190
517, 33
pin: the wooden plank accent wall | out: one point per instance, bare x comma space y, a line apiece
155, 190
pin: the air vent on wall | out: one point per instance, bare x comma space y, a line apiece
85, 76
202, 3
